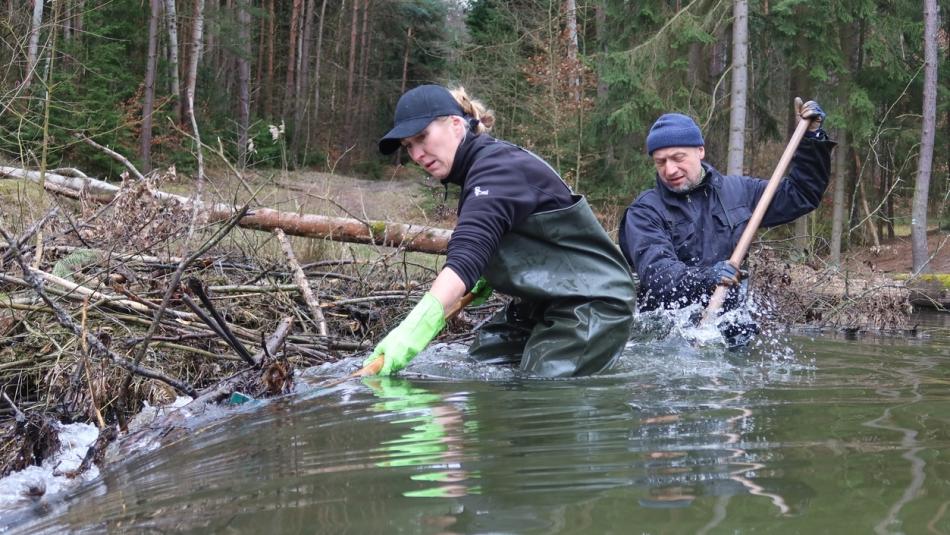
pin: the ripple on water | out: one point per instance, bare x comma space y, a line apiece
782, 436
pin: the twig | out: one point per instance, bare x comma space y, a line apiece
90, 293
112, 154
301, 280
215, 322
276, 340
93, 341
16, 410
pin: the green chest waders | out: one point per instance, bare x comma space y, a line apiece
575, 296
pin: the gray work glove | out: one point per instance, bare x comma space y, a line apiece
810, 111
722, 272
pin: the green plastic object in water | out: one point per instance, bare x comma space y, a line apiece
239, 398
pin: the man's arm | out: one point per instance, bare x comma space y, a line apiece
648, 246
802, 189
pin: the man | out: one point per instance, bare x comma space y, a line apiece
679, 235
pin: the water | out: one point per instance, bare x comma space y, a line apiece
823, 435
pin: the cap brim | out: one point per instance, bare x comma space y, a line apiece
408, 128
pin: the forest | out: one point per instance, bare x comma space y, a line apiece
578, 82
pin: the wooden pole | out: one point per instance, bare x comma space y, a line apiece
738, 255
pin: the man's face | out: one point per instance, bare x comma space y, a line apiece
680, 168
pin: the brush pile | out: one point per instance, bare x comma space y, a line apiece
105, 309
813, 296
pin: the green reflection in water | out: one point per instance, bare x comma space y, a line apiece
434, 438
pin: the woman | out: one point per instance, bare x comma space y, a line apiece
523, 231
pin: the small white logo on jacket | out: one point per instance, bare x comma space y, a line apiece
479, 191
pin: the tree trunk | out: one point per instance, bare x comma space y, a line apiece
271, 52
171, 20
336, 56
316, 73
190, 83
351, 71
737, 115
402, 83
191, 78
78, 18
837, 207
570, 14
301, 92
33, 47
365, 53
67, 20
918, 225
292, 56
244, 78
410, 237
148, 103
259, 66
863, 198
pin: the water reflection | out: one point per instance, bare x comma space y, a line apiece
434, 439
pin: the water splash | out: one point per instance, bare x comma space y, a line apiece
36, 483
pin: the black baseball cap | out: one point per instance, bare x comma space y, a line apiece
415, 110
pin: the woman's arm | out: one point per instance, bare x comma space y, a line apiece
448, 288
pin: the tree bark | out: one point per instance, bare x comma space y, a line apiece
301, 89
570, 14
244, 79
78, 18
351, 70
67, 20
148, 103
191, 78
316, 70
837, 207
174, 82
292, 56
259, 66
737, 114
918, 225
402, 83
34, 44
365, 54
271, 52
410, 237
863, 199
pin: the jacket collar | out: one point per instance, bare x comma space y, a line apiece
464, 158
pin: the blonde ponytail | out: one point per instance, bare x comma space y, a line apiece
475, 109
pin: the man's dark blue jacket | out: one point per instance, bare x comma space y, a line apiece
673, 239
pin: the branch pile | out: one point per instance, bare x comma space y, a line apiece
104, 308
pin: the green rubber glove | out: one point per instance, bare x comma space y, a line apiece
403, 343
482, 291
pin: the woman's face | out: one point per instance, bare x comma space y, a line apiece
434, 148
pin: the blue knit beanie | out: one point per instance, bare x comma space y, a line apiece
674, 130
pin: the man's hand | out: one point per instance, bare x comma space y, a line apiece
723, 273
810, 111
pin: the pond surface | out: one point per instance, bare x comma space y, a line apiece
806, 435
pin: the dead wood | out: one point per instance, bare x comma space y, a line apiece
409, 237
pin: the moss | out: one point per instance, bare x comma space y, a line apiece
942, 278
75, 262
377, 229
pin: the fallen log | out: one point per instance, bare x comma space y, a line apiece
409, 237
